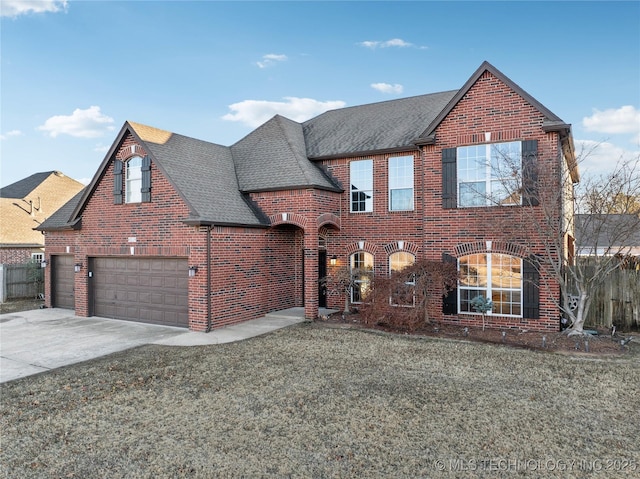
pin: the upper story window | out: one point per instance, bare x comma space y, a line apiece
489, 174
137, 180
361, 266
361, 180
134, 180
401, 183
497, 277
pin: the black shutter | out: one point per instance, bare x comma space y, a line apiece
117, 182
450, 301
449, 178
530, 173
146, 179
530, 289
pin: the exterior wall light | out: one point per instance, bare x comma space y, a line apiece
333, 260
43, 263
77, 267
192, 271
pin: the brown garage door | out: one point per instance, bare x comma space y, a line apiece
62, 287
150, 290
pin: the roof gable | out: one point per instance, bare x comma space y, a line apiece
427, 136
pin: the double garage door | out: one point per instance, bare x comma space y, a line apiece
149, 290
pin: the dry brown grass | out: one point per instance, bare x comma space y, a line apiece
317, 401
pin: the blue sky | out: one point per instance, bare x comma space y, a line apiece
74, 71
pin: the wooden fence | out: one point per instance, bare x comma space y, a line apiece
21, 281
617, 302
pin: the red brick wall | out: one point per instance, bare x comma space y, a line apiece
17, 255
489, 106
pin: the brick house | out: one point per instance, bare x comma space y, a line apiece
185, 232
24, 205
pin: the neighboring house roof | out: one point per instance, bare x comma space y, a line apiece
27, 203
607, 234
215, 180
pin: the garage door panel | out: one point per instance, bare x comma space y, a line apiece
63, 281
151, 290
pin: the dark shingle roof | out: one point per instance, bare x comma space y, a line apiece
22, 188
600, 231
61, 218
273, 157
204, 174
388, 125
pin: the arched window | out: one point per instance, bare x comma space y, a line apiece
361, 264
134, 180
497, 277
404, 295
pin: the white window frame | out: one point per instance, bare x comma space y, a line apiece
491, 170
401, 179
363, 283
133, 190
361, 184
486, 288
411, 283
37, 257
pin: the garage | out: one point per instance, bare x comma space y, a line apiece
149, 290
62, 282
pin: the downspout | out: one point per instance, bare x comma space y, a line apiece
208, 279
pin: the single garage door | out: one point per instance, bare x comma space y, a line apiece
150, 290
62, 281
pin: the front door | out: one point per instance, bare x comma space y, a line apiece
322, 279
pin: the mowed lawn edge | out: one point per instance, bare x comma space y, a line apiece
313, 401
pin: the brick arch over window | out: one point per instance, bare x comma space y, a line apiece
289, 219
362, 246
328, 219
502, 247
130, 149
401, 246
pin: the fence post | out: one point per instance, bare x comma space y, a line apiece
3, 284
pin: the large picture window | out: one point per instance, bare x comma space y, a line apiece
404, 294
361, 264
401, 183
361, 177
489, 174
134, 180
495, 276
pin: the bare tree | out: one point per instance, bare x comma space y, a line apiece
577, 231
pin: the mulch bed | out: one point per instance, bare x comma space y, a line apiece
558, 342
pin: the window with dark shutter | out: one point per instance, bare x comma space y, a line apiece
117, 182
449, 178
146, 179
450, 301
530, 173
530, 289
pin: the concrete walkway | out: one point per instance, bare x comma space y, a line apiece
43, 339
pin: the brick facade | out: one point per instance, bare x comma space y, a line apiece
254, 270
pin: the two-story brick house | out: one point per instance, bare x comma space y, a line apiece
180, 231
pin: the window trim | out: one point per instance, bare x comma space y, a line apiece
133, 195
353, 190
354, 281
404, 187
488, 289
488, 176
407, 283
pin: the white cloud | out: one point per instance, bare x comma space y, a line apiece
394, 42
10, 134
387, 88
100, 148
625, 119
89, 123
271, 59
14, 8
255, 112
596, 157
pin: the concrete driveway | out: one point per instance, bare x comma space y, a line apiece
43, 339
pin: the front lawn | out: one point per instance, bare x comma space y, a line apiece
318, 401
